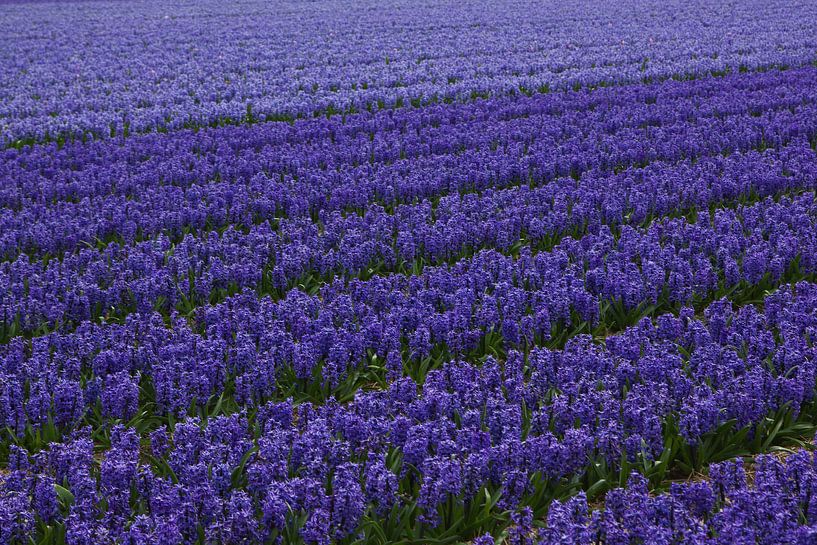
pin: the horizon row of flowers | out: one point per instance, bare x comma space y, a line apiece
95, 71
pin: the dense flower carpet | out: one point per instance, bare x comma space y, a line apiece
427, 272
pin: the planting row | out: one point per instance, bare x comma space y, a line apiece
73, 172
356, 334
116, 280
59, 201
461, 453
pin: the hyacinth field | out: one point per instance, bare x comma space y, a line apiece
518, 273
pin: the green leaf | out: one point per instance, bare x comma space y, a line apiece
65, 496
597, 488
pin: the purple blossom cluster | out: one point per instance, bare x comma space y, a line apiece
774, 505
104, 68
325, 273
